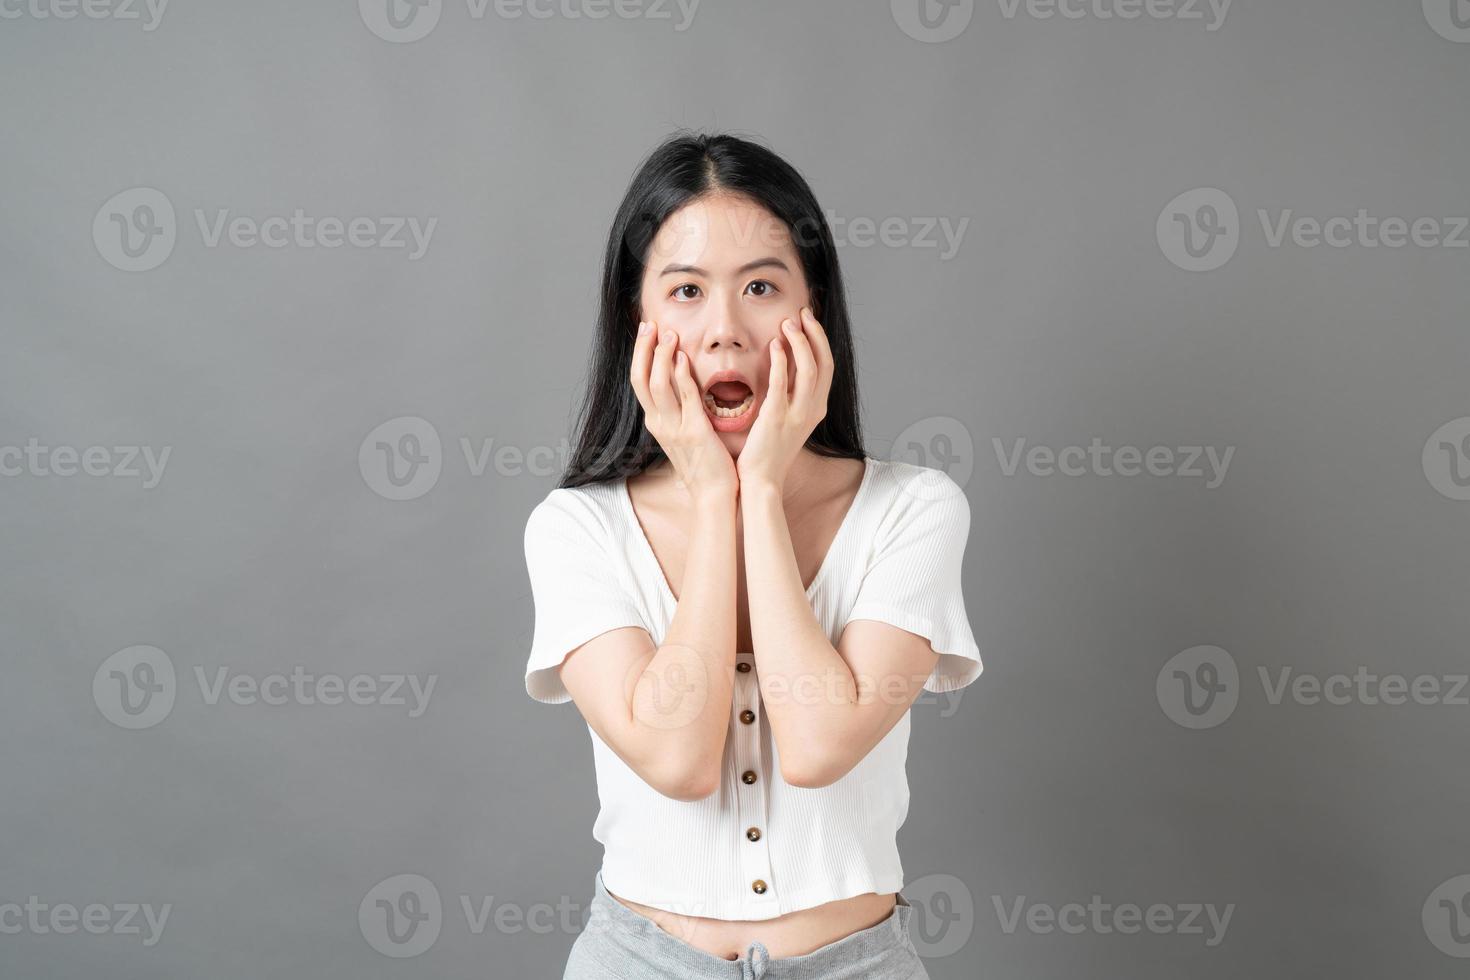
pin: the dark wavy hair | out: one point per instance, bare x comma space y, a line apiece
611, 440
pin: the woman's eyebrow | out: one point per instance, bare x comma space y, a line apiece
769, 260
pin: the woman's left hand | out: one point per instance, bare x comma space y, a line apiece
791, 409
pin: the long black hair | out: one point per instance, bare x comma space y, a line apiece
611, 441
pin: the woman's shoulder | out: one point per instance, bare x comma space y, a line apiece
901, 483
590, 509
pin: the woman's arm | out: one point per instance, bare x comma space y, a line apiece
666, 710
823, 719
827, 707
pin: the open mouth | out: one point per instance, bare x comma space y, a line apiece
728, 399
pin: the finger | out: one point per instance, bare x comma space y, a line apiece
826, 363
776, 400
638, 369
689, 400
658, 379
806, 365
818, 337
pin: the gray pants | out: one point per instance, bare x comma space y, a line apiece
620, 944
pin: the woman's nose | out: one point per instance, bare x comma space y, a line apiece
722, 340
726, 332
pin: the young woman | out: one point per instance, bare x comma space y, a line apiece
742, 604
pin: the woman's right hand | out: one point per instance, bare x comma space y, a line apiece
674, 414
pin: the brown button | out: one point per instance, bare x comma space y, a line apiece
754, 833
748, 776
747, 716
758, 886
743, 666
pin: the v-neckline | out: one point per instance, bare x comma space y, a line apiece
663, 581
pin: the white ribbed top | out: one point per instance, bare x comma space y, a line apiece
896, 558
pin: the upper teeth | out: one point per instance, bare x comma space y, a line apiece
728, 413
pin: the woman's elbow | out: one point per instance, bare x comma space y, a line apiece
805, 772
686, 784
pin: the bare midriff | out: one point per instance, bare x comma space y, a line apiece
793, 934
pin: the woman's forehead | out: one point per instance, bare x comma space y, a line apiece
719, 230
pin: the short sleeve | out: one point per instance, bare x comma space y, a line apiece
913, 577
575, 587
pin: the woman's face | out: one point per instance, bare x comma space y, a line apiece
722, 273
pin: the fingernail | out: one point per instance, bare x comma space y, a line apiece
668, 337
788, 325
642, 328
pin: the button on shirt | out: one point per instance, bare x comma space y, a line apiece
757, 847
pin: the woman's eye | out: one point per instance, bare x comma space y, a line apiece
679, 291
764, 287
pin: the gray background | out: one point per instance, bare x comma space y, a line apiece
1058, 775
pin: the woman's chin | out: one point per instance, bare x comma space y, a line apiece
733, 441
